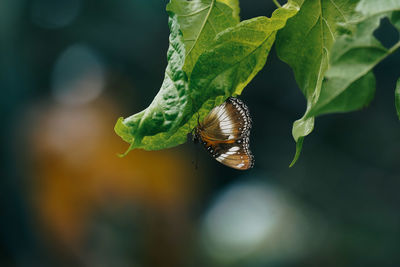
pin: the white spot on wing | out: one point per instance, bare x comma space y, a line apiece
234, 149
220, 158
240, 165
226, 126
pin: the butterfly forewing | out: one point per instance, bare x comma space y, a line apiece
228, 121
225, 134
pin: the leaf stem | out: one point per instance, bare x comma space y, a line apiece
277, 3
394, 48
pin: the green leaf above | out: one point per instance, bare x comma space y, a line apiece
224, 69
234, 4
349, 83
200, 22
305, 44
345, 81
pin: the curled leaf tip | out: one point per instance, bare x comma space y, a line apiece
131, 147
121, 155
299, 146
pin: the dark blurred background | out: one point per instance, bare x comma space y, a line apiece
70, 68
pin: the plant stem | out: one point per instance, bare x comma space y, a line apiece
394, 48
276, 3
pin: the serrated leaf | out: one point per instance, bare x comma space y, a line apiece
200, 21
305, 44
234, 58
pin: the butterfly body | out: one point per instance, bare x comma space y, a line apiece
225, 132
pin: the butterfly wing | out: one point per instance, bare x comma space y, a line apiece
228, 121
236, 155
225, 134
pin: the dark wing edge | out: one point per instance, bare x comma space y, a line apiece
225, 134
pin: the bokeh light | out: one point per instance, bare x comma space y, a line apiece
251, 221
78, 76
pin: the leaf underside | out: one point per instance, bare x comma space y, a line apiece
200, 22
335, 73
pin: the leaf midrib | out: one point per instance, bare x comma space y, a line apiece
240, 61
316, 91
361, 74
322, 19
211, 6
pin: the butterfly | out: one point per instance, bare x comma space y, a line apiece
225, 132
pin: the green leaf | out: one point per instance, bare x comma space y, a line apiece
233, 59
305, 44
395, 19
200, 22
349, 83
397, 98
168, 108
299, 146
238, 55
234, 4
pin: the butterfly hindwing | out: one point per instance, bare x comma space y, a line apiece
235, 155
225, 134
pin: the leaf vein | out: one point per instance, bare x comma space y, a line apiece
329, 28
202, 26
338, 9
237, 63
194, 13
212, 26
